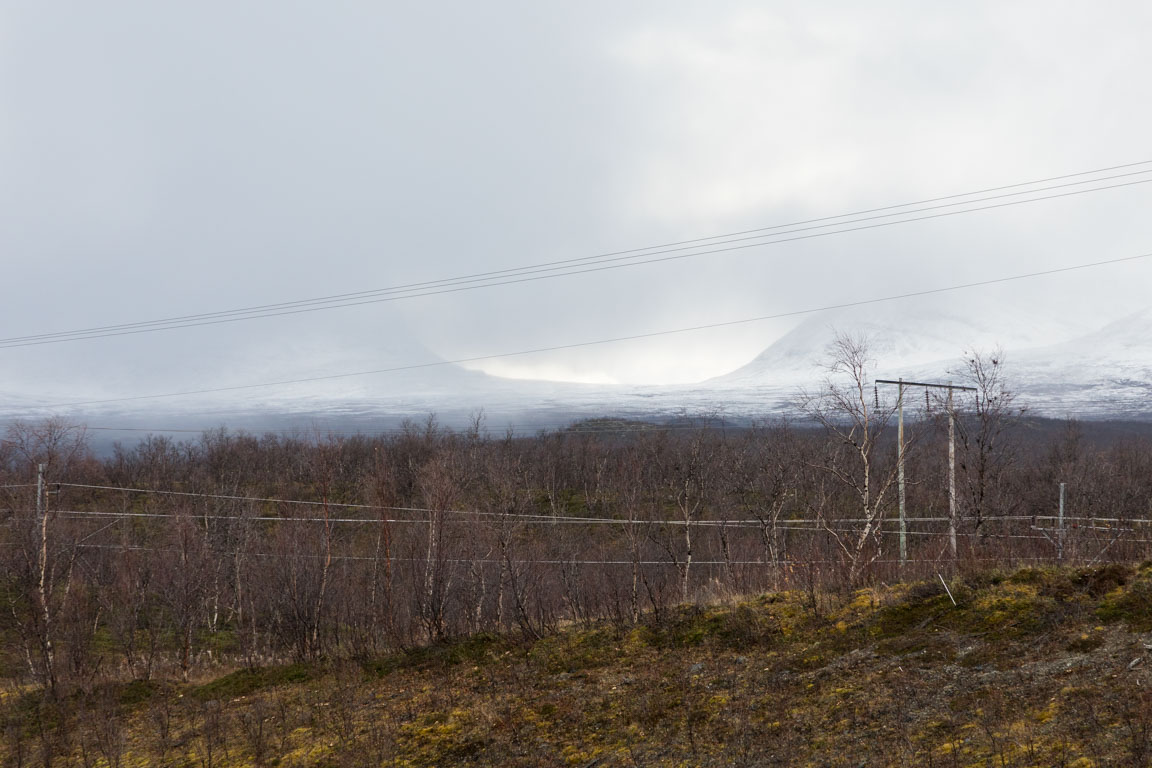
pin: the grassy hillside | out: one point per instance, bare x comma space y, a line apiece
1033, 668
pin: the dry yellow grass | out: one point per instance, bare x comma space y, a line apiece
1036, 668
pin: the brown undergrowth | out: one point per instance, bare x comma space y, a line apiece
1031, 668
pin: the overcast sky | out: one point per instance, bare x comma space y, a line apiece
161, 159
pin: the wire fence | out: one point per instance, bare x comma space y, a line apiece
740, 542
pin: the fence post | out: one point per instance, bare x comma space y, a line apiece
1060, 528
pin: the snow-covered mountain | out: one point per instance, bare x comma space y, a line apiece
1104, 373
901, 338
1057, 366
1053, 365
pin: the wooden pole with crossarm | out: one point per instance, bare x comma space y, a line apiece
952, 516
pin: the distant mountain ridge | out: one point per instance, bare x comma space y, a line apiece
1052, 364
1056, 367
898, 339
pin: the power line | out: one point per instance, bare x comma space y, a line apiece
905, 205
518, 275
618, 339
335, 297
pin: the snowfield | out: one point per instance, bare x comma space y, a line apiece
1057, 370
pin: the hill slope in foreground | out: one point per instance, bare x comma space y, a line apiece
1034, 668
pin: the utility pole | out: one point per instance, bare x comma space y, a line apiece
951, 476
900, 470
952, 516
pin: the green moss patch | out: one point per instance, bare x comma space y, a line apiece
478, 649
248, 681
1131, 604
738, 627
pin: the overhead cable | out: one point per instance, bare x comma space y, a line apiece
597, 342
550, 270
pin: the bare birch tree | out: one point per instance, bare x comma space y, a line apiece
48, 560
854, 420
987, 451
